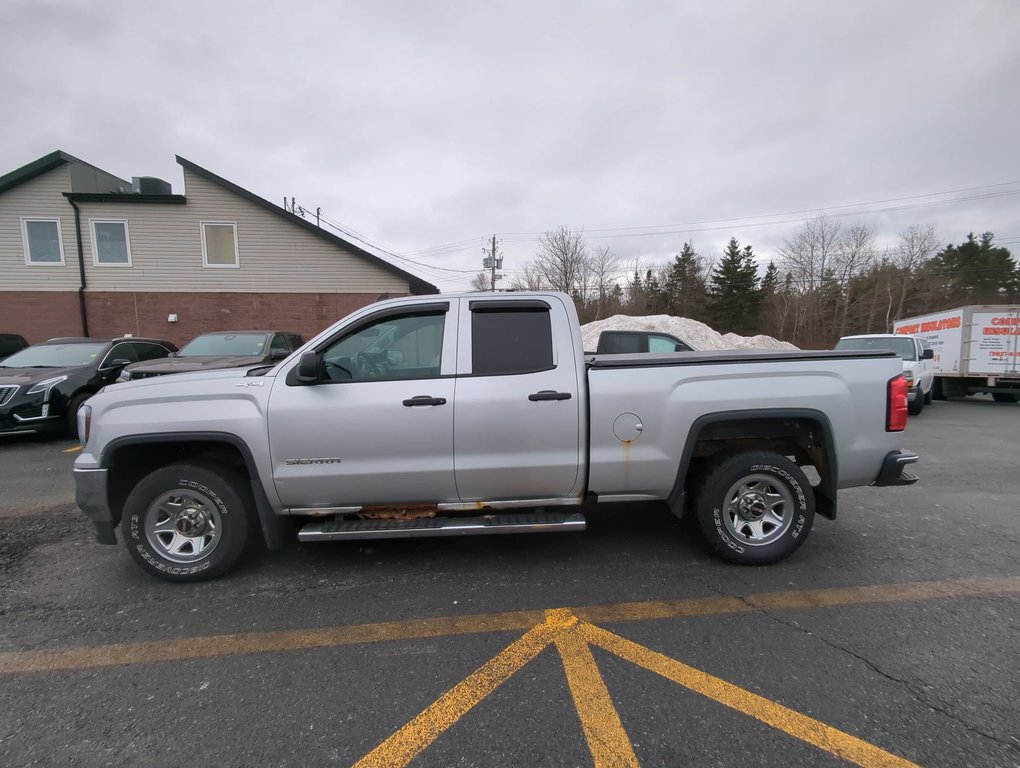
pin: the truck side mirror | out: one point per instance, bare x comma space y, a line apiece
928, 354
308, 368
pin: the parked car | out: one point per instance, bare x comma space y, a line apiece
916, 354
11, 343
635, 342
224, 349
42, 386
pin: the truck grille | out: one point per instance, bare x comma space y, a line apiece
6, 393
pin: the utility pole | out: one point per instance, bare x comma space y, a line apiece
492, 262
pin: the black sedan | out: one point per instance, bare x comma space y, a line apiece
226, 349
41, 387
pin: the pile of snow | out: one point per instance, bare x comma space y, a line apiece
698, 335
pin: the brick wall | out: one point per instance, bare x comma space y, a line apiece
41, 315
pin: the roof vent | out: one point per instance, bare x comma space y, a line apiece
149, 185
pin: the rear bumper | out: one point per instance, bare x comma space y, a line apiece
894, 466
91, 496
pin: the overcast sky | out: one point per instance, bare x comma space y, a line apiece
644, 124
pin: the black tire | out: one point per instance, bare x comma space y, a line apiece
1005, 397
71, 423
930, 395
916, 405
185, 498
734, 498
936, 390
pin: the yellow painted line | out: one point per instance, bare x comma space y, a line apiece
799, 726
210, 646
402, 747
73, 450
180, 649
607, 740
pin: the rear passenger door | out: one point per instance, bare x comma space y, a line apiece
517, 420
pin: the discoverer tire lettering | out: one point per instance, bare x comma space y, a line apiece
186, 522
755, 508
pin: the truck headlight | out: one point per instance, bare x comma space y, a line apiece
45, 386
124, 376
84, 417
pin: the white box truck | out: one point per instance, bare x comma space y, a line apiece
977, 349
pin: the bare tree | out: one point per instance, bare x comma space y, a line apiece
528, 280
855, 255
561, 261
480, 282
605, 272
917, 246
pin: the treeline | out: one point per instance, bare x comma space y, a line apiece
829, 280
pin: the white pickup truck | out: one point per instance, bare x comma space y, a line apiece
479, 414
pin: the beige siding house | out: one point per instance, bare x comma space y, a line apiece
83, 252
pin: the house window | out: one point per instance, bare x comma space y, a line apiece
42, 241
110, 246
219, 244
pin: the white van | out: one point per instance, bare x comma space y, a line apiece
917, 356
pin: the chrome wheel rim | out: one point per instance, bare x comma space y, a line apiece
183, 526
758, 510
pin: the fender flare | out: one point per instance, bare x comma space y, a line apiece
825, 491
274, 527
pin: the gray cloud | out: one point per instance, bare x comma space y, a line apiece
420, 124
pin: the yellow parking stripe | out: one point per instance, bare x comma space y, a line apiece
607, 740
800, 726
75, 449
401, 748
180, 649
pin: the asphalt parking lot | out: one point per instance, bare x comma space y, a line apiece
890, 638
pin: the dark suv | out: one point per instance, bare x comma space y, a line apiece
11, 343
42, 386
226, 349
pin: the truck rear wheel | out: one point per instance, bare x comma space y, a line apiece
1005, 397
186, 522
755, 508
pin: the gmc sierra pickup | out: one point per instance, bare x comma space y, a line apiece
479, 414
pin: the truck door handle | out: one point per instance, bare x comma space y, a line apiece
424, 400
548, 394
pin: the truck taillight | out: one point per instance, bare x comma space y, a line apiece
896, 404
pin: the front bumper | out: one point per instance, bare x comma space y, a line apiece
92, 498
893, 469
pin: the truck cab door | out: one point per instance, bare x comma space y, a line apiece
518, 412
375, 426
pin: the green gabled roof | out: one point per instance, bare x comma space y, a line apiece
35, 168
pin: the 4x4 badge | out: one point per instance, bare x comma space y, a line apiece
252, 383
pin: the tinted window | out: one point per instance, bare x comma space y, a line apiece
394, 347
121, 352
662, 343
511, 341
150, 351
279, 344
295, 340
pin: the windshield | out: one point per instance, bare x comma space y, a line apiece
233, 344
54, 356
903, 347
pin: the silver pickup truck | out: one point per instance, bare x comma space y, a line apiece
480, 414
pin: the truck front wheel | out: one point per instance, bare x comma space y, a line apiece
755, 508
186, 522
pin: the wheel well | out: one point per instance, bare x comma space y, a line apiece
131, 462
805, 438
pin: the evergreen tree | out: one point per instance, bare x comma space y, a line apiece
734, 298
976, 272
684, 289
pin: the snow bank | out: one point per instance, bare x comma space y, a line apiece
698, 335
